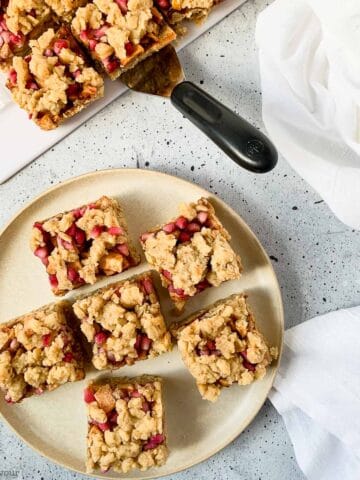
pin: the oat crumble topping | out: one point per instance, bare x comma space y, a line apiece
221, 345
123, 323
38, 352
126, 424
191, 252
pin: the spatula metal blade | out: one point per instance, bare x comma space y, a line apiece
156, 75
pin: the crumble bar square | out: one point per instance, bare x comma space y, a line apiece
81, 245
121, 33
191, 252
20, 21
176, 11
39, 352
54, 81
123, 322
221, 345
125, 424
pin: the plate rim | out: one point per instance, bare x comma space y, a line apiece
275, 368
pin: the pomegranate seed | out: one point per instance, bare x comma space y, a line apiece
72, 274
99, 32
111, 64
193, 227
80, 237
148, 286
31, 85
246, 363
84, 35
177, 291
202, 217
123, 249
46, 339
73, 91
13, 76
39, 226
129, 48
167, 274
181, 223
104, 426
145, 236
53, 281
76, 75
163, 4
92, 44
145, 343
68, 357
111, 357
115, 231
71, 231
89, 395
96, 231
59, 45
41, 252
113, 417
154, 441
184, 237
16, 39
202, 285
45, 261
169, 227
135, 394
204, 351
137, 345
100, 338
14, 345
78, 212
122, 5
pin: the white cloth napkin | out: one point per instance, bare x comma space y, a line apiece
310, 73
317, 392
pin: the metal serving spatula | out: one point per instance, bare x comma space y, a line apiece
162, 74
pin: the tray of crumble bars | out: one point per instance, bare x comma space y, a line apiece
139, 334
60, 61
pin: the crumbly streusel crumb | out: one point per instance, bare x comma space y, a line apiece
38, 352
79, 246
191, 252
123, 323
126, 424
221, 345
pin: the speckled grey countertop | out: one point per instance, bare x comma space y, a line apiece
312, 252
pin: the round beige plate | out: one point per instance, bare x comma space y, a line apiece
55, 424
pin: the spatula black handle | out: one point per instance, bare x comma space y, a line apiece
246, 145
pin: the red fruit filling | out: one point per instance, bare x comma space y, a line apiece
123, 249
46, 339
53, 281
88, 395
59, 45
68, 357
246, 363
154, 441
165, 4
122, 5
100, 338
115, 231
74, 90
111, 64
96, 231
148, 286
129, 48
181, 223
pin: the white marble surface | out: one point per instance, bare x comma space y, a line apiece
315, 256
